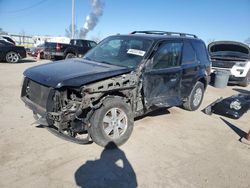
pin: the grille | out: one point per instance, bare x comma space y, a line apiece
223, 64
37, 93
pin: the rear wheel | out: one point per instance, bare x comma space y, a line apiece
70, 55
195, 98
246, 80
12, 57
113, 122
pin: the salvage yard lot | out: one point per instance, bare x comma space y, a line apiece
168, 148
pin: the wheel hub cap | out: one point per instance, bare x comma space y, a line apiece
197, 97
115, 123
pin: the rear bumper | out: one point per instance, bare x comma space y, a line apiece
51, 55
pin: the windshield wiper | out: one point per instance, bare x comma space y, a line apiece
106, 62
87, 58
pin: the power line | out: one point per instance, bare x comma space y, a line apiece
26, 8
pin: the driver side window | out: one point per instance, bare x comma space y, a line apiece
167, 55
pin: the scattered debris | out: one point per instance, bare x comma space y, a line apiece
232, 107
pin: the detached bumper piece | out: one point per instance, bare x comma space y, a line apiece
67, 137
233, 107
61, 134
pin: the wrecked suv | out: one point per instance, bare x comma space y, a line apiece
97, 98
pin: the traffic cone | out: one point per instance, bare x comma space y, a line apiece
248, 136
38, 56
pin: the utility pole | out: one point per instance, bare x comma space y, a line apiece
73, 20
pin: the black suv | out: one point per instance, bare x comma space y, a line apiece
123, 77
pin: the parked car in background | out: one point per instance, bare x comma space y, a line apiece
11, 53
233, 57
76, 48
34, 51
7, 39
123, 77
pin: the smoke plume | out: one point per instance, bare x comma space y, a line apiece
93, 18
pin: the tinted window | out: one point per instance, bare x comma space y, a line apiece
92, 44
168, 55
188, 55
201, 51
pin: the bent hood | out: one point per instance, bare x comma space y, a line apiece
72, 72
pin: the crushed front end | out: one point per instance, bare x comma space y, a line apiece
59, 110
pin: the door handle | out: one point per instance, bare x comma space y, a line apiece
173, 79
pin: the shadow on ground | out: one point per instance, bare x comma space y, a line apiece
237, 130
157, 112
111, 170
242, 91
21, 61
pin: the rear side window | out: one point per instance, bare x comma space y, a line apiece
168, 55
188, 55
201, 52
92, 44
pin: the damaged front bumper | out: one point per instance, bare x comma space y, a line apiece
233, 107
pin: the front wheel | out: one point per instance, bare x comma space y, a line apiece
112, 122
70, 55
195, 98
246, 80
12, 57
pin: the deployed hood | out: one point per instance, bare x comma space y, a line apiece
72, 72
229, 49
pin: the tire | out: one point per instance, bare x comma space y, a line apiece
105, 118
195, 98
246, 80
12, 57
70, 55
42, 55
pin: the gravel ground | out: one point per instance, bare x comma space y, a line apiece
168, 148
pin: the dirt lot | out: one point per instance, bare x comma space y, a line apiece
169, 148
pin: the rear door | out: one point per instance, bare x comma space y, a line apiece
82, 46
190, 65
161, 79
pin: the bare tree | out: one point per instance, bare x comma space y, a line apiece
247, 41
2, 32
210, 40
97, 38
68, 32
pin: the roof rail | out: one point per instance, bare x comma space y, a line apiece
164, 33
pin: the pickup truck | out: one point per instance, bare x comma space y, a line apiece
76, 48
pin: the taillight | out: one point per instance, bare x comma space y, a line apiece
58, 46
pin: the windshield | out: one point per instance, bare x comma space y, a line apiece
120, 50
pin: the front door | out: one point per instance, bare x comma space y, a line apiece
162, 77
